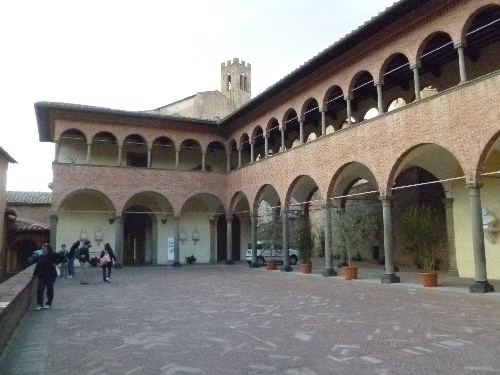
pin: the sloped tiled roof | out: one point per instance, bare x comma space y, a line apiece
29, 197
26, 226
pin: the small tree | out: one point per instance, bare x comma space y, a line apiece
420, 235
353, 230
319, 232
305, 239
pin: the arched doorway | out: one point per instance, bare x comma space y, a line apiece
138, 236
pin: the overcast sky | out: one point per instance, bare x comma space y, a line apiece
140, 55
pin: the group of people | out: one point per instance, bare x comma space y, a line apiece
47, 260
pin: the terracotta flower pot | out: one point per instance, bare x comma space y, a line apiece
306, 267
429, 279
271, 264
350, 272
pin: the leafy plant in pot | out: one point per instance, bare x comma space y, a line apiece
353, 230
305, 243
273, 232
420, 238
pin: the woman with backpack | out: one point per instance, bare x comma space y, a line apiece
106, 261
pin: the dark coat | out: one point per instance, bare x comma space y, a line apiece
72, 250
111, 255
84, 254
45, 265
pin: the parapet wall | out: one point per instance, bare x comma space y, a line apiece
236, 61
17, 295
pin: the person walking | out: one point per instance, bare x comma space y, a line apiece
106, 260
45, 271
63, 258
84, 258
71, 259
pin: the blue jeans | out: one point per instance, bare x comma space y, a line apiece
71, 267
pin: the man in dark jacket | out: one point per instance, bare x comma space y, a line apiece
71, 259
46, 273
84, 258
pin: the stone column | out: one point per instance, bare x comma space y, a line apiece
380, 98
56, 151
329, 271
301, 130
461, 63
349, 111
252, 152
323, 122
176, 263
266, 146
239, 157
450, 234
89, 148
282, 139
228, 161
286, 251
119, 161
481, 284
203, 154
416, 81
53, 231
253, 221
213, 231
229, 251
149, 158
177, 159
118, 241
390, 276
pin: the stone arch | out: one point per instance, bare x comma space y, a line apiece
147, 222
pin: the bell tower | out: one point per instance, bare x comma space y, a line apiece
236, 81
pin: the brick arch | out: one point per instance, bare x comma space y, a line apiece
426, 41
324, 101
164, 204
265, 189
255, 132
91, 192
354, 80
307, 181
488, 147
306, 105
286, 117
70, 130
397, 166
237, 197
363, 172
272, 121
470, 19
385, 65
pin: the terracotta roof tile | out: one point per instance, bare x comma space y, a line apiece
29, 197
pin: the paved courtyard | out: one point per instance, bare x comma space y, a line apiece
218, 320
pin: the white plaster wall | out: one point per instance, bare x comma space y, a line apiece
490, 199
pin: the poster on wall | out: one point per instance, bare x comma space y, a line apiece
170, 249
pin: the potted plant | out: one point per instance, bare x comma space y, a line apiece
190, 259
305, 243
353, 231
420, 238
272, 231
320, 240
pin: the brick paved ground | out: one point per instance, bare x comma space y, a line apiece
218, 320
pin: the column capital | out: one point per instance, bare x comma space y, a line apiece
474, 185
460, 45
229, 217
385, 199
378, 83
415, 66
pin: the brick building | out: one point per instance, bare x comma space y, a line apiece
405, 103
